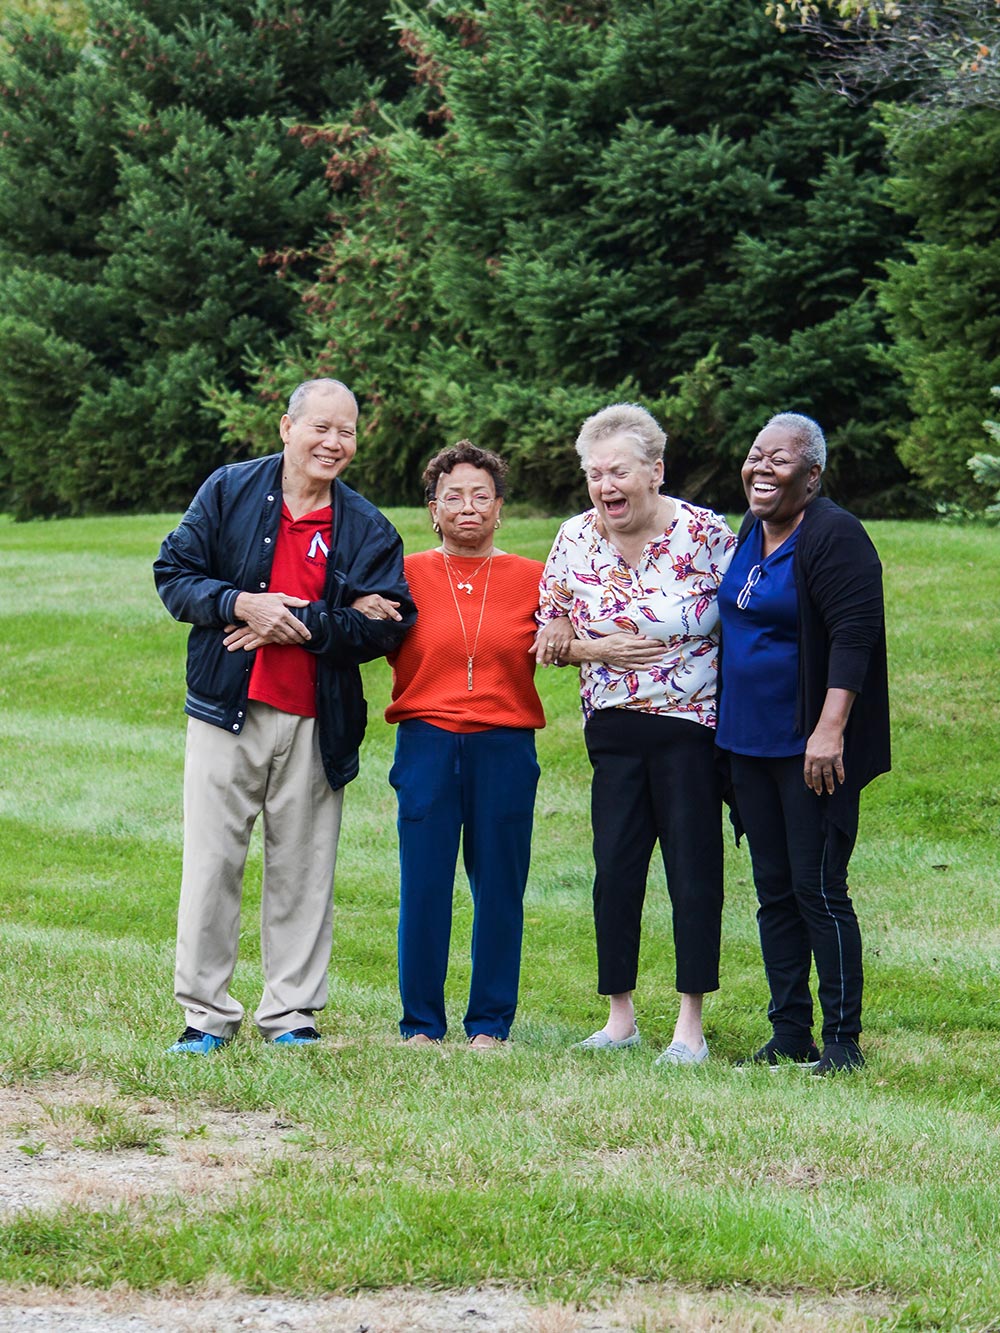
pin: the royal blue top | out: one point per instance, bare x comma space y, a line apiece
759, 612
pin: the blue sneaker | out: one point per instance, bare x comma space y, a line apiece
195, 1042
297, 1037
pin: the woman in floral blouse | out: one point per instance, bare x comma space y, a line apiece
628, 595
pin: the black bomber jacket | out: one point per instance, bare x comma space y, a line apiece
224, 545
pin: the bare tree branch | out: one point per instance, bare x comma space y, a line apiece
940, 56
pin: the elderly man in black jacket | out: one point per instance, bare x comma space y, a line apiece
265, 566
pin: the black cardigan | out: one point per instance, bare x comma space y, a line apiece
838, 580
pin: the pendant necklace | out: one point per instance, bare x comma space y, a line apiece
466, 585
470, 653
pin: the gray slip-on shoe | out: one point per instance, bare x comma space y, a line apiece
679, 1054
600, 1041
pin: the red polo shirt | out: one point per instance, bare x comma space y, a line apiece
284, 675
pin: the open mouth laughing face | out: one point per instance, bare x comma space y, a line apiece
623, 488
776, 478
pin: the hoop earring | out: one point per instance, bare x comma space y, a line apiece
437, 527
497, 524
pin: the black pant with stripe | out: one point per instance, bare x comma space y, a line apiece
800, 873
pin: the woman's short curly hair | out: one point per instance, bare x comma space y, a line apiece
630, 421
464, 452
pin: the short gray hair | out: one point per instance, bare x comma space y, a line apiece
630, 420
806, 433
301, 392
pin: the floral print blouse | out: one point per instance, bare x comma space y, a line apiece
670, 595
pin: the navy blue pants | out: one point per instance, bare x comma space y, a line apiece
655, 777
477, 788
805, 911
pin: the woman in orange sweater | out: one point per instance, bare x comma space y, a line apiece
464, 697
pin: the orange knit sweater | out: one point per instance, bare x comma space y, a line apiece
430, 669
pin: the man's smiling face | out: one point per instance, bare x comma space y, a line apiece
321, 439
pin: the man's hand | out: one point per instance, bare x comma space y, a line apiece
373, 606
266, 620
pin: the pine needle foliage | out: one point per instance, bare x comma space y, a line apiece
940, 298
603, 201
986, 467
153, 204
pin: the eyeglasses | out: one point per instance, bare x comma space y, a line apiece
455, 503
743, 596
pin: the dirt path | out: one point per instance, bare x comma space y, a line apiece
74, 1142
651, 1310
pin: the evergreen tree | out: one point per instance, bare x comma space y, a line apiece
942, 301
153, 207
986, 467
602, 201
68, 15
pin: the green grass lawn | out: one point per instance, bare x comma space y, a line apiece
562, 1173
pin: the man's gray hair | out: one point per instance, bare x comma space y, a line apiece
629, 420
807, 435
301, 392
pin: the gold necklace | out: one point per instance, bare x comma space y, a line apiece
466, 585
470, 653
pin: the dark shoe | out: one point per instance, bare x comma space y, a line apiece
839, 1057
193, 1041
777, 1057
297, 1037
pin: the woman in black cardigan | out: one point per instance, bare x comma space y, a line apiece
804, 717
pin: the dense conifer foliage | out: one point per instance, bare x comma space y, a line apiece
605, 201
491, 220
148, 174
944, 318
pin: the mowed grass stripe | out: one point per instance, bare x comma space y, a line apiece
546, 1169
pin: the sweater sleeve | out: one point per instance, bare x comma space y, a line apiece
555, 596
844, 580
186, 569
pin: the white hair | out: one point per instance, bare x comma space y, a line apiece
807, 435
297, 401
628, 420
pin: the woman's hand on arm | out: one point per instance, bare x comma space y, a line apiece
823, 766
623, 650
556, 645
375, 607
553, 641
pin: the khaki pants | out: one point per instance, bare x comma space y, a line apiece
273, 766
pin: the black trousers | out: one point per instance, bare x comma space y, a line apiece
800, 873
655, 778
